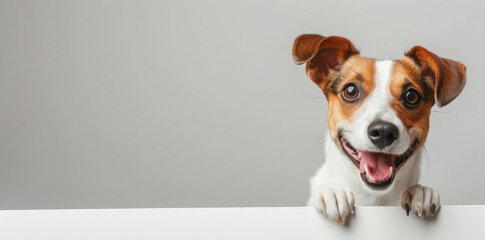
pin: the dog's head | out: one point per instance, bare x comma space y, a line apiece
378, 111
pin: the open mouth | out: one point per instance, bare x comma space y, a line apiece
377, 169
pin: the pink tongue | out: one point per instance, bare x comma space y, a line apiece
379, 165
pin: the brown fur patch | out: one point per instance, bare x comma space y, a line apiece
406, 74
359, 70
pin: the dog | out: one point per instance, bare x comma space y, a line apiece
378, 120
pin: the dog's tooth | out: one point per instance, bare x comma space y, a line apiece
367, 174
371, 179
359, 154
390, 174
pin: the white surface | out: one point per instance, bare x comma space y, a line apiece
452, 222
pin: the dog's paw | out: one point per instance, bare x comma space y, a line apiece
334, 202
423, 201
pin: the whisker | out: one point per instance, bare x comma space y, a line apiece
315, 98
435, 111
343, 130
318, 139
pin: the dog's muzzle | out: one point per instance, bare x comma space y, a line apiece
377, 169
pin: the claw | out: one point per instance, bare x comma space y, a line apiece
423, 214
344, 220
433, 208
406, 206
337, 220
324, 214
324, 209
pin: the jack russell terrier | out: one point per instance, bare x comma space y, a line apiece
378, 119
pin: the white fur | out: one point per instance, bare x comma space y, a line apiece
337, 184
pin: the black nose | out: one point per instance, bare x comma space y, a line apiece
382, 133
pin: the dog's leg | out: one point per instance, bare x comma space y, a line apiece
333, 201
423, 201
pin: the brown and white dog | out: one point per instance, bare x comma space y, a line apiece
378, 119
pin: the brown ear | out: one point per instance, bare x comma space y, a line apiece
323, 56
448, 77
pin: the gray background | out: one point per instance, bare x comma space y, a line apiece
188, 104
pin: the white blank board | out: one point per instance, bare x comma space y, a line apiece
452, 222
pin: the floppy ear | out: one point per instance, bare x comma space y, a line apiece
323, 56
448, 77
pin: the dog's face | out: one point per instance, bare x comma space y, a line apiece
378, 111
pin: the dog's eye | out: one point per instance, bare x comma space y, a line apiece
350, 92
411, 98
